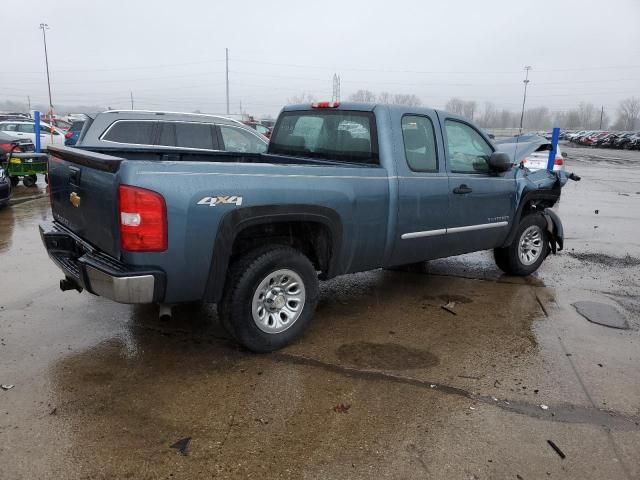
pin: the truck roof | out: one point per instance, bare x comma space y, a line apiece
368, 107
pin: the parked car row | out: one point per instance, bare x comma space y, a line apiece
604, 139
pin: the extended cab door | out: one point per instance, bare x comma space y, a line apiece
422, 187
481, 203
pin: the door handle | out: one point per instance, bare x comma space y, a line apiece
462, 189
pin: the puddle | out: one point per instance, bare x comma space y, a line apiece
387, 356
607, 260
602, 314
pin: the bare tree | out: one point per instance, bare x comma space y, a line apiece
629, 113
304, 97
469, 109
538, 118
385, 97
455, 105
589, 117
406, 99
363, 96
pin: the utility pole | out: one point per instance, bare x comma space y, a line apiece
131, 92
524, 98
601, 115
336, 88
44, 27
29, 102
227, 71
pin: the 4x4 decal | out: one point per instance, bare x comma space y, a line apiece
221, 200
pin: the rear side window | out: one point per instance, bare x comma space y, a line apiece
130, 131
31, 128
239, 140
419, 143
76, 126
194, 135
332, 135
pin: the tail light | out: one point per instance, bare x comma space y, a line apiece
325, 104
143, 220
9, 147
68, 135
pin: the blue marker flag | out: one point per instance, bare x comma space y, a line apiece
554, 148
36, 119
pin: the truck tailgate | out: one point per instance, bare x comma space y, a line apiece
84, 195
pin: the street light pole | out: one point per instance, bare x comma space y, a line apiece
226, 50
524, 98
44, 27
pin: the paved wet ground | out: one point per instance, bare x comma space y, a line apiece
385, 384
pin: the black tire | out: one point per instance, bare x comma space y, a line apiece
46, 178
14, 181
29, 181
243, 280
509, 258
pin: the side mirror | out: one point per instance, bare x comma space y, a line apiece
499, 162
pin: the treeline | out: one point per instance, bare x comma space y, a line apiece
585, 116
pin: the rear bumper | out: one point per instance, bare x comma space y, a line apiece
98, 273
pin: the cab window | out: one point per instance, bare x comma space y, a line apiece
468, 151
419, 143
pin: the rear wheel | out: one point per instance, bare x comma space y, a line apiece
270, 297
528, 250
29, 180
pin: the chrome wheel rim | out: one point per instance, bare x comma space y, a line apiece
278, 301
530, 245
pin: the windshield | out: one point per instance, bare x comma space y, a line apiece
331, 135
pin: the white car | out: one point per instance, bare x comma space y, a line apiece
21, 129
538, 159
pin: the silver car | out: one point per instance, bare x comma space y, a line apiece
160, 130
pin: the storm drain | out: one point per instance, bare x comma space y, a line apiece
602, 314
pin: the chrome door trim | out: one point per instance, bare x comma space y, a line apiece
441, 231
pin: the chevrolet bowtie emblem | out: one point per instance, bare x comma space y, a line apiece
74, 198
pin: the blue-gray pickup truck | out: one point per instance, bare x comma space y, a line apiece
343, 188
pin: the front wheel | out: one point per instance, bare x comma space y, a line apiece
270, 298
528, 250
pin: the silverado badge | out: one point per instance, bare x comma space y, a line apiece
74, 198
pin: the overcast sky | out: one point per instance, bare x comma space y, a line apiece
170, 54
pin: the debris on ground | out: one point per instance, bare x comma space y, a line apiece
557, 449
602, 314
342, 408
6, 387
54, 411
449, 307
544, 407
470, 377
182, 446
597, 211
